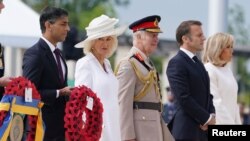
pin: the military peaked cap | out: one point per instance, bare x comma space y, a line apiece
149, 24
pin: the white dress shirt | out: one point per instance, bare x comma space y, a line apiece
52, 48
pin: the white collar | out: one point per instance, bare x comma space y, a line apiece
189, 53
137, 50
51, 46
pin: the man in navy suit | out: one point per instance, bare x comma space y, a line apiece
189, 83
48, 71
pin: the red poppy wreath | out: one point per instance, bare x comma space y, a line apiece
83, 118
15, 91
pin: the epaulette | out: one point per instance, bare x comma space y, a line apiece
138, 57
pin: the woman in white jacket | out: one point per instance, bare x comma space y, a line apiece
217, 54
94, 71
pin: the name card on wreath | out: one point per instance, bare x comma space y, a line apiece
13, 109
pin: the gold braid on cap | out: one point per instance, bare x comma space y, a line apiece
156, 22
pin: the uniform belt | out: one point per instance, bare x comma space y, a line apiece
147, 105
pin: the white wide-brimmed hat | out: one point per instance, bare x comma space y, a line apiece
101, 26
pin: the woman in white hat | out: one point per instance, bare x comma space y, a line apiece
94, 71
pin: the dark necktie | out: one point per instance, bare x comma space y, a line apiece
198, 63
200, 66
196, 59
59, 66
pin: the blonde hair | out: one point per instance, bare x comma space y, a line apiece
214, 46
87, 48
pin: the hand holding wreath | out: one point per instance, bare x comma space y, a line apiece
81, 122
14, 97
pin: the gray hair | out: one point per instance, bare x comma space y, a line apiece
136, 34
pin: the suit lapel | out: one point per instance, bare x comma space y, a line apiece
201, 69
51, 60
199, 66
204, 72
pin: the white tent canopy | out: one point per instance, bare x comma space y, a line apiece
19, 25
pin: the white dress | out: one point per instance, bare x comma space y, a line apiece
90, 73
224, 89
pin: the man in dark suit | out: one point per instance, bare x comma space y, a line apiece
44, 65
189, 83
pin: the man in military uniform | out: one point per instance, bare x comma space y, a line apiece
139, 92
3, 80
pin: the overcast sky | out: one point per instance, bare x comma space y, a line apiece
173, 12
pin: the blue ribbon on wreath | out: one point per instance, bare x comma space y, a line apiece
16, 104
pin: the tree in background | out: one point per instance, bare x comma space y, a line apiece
81, 12
237, 25
241, 31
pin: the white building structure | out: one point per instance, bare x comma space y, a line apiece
19, 30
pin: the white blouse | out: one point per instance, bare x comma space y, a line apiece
224, 89
90, 73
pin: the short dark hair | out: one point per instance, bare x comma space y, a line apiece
184, 29
51, 14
